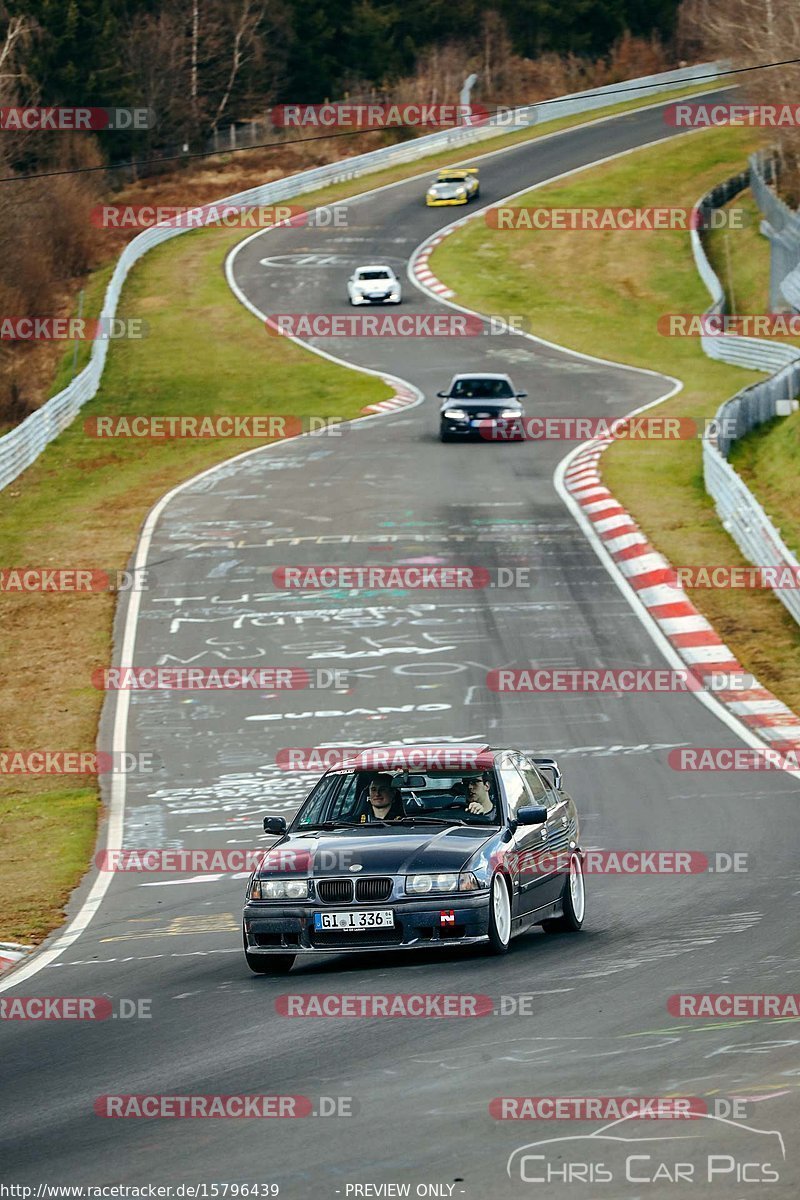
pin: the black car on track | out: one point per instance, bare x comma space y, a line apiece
401, 848
483, 406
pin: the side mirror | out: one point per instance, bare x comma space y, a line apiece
532, 814
522, 395
442, 395
274, 824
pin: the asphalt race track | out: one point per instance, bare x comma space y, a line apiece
595, 1020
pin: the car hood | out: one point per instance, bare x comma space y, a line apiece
375, 850
493, 405
446, 191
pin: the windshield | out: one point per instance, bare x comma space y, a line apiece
379, 274
481, 389
358, 798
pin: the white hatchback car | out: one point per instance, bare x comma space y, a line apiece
374, 284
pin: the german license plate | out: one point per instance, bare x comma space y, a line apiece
382, 918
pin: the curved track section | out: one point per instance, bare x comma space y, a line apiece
595, 1021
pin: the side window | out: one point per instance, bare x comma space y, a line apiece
539, 791
514, 788
349, 801
318, 800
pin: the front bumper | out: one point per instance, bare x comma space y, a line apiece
288, 928
434, 202
505, 429
387, 299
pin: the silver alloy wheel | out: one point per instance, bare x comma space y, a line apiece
501, 908
576, 888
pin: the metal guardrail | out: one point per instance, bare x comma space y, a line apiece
23, 445
781, 225
740, 512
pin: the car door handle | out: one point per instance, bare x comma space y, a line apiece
544, 834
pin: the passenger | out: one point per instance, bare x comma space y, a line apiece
479, 802
384, 800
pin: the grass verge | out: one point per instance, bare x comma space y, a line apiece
603, 293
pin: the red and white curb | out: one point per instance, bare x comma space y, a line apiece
403, 398
420, 267
654, 581
11, 953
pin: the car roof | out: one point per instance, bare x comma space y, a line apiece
481, 375
374, 267
436, 756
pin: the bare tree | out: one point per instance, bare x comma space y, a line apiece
748, 33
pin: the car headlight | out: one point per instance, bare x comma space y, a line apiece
461, 191
508, 413
278, 889
449, 881
455, 414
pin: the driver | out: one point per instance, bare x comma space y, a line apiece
384, 800
479, 802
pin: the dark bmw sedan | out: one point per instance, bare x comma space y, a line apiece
402, 848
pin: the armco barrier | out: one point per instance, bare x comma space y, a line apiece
20, 447
741, 514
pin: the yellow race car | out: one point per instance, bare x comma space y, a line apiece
454, 185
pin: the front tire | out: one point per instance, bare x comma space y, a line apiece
444, 434
573, 901
499, 915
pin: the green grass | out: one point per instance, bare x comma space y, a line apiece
603, 293
740, 258
83, 501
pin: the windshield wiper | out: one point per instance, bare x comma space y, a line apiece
343, 824
429, 821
